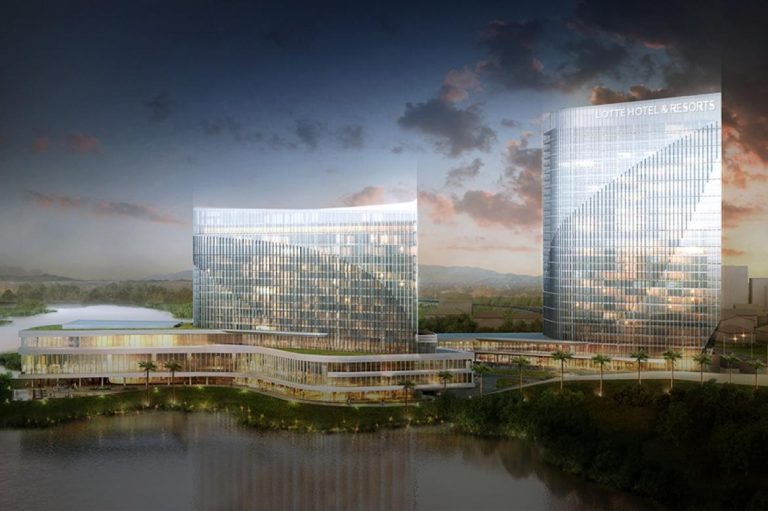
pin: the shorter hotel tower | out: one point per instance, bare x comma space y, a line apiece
632, 223
348, 274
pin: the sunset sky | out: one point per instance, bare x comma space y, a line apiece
116, 118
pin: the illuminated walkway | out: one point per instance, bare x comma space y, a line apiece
738, 379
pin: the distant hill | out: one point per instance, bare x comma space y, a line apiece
17, 274
179, 275
468, 276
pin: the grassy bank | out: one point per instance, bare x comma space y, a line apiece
23, 308
253, 409
696, 447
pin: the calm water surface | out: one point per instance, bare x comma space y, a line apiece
9, 334
166, 460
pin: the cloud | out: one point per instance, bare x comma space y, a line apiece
511, 59
510, 123
365, 197
79, 142
41, 144
234, 129
517, 206
160, 107
310, 132
457, 84
489, 209
733, 214
376, 195
693, 55
453, 130
588, 58
102, 207
440, 207
523, 172
732, 252
405, 147
351, 136
458, 176
275, 141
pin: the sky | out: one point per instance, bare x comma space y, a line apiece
116, 118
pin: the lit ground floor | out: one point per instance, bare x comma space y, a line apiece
505, 348
204, 357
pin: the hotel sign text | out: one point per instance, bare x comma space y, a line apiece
663, 108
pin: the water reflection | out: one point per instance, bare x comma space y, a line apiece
64, 313
200, 461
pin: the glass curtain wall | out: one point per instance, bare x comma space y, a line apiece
632, 222
350, 273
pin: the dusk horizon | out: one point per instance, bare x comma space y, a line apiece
107, 147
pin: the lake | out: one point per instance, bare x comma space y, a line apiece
9, 334
168, 460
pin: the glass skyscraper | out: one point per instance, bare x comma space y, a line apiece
632, 223
348, 275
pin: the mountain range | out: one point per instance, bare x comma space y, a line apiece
429, 276
443, 276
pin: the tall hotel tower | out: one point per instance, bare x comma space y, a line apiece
632, 223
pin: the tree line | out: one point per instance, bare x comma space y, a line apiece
463, 323
696, 446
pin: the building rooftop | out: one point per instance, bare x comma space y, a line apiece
98, 324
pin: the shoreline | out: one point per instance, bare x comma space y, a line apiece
694, 446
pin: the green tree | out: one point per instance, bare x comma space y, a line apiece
672, 356
8, 297
756, 365
480, 370
521, 363
561, 356
601, 360
172, 366
640, 356
147, 366
408, 386
702, 359
445, 377
731, 360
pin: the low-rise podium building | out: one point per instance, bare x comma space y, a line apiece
316, 304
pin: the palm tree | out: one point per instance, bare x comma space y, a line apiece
731, 360
601, 360
147, 366
480, 370
756, 365
445, 377
521, 363
702, 359
172, 366
671, 356
640, 356
561, 356
408, 386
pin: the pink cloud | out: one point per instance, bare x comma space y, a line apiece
365, 197
41, 144
102, 207
82, 143
441, 207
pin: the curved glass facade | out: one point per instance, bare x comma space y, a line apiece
347, 273
632, 223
